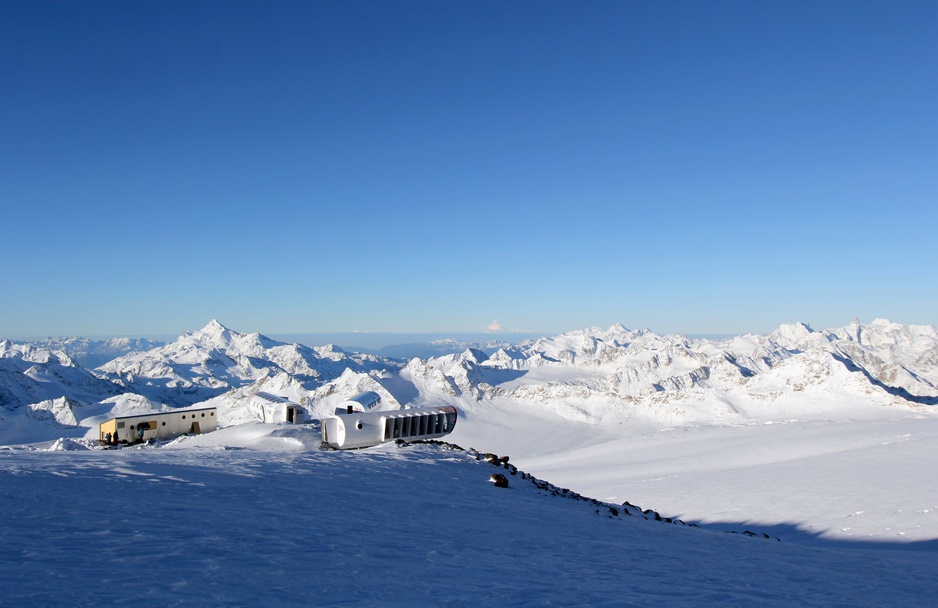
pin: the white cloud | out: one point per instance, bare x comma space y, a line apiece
494, 327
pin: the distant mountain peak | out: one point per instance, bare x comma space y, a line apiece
214, 334
213, 327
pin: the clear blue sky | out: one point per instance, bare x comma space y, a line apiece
696, 167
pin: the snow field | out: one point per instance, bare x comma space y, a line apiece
848, 480
415, 525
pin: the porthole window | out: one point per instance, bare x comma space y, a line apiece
213, 413
183, 416
164, 424
203, 415
131, 427
358, 425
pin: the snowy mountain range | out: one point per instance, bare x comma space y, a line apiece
615, 376
30, 374
622, 375
203, 364
90, 353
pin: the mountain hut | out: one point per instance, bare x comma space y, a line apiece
365, 429
363, 402
158, 425
273, 408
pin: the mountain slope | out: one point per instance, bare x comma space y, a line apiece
30, 374
91, 353
618, 375
206, 363
388, 527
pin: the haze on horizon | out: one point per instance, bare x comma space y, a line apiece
420, 167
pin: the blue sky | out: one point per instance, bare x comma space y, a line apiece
696, 167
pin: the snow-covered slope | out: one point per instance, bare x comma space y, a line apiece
206, 363
618, 375
614, 376
278, 523
587, 397
90, 353
30, 374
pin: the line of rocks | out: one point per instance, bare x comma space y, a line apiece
612, 511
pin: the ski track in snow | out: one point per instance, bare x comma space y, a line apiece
389, 526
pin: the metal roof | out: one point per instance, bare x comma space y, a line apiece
151, 414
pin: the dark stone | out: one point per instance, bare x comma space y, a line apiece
500, 480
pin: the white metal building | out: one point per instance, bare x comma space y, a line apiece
273, 408
364, 429
363, 402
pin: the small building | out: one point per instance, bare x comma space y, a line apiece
362, 402
365, 429
273, 408
158, 425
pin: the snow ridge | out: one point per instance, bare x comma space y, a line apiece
30, 374
204, 364
595, 374
91, 353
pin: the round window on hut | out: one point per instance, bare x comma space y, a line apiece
203, 415
183, 416
164, 424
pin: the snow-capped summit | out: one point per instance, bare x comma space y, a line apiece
30, 374
794, 336
592, 374
91, 353
901, 357
214, 333
615, 374
203, 364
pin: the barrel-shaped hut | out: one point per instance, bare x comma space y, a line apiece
364, 429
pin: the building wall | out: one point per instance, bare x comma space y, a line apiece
269, 411
162, 425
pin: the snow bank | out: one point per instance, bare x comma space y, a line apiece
387, 527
